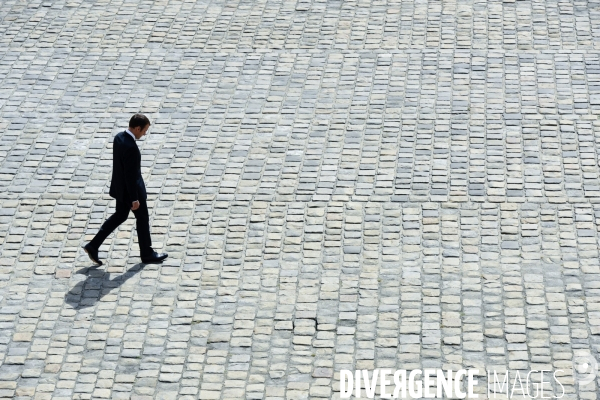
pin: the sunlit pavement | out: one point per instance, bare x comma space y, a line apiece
339, 185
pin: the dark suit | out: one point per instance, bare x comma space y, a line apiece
127, 186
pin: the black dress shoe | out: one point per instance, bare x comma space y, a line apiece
155, 258
92, 253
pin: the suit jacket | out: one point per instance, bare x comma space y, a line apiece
127, 184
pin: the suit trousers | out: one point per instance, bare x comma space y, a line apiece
142, 221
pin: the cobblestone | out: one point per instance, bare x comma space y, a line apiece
339, 185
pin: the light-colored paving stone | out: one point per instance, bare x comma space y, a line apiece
339, 184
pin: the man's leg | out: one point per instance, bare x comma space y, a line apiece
120, 216
142, 223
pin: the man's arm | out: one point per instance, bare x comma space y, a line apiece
131, 163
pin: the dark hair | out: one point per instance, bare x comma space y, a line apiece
139, 120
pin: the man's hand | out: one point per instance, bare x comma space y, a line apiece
135, 205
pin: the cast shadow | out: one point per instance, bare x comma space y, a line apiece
96, 285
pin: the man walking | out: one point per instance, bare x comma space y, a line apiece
127, 187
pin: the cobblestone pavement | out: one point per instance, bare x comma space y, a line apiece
339, 184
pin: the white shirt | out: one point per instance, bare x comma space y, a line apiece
132, 135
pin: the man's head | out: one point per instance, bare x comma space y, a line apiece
138, 125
